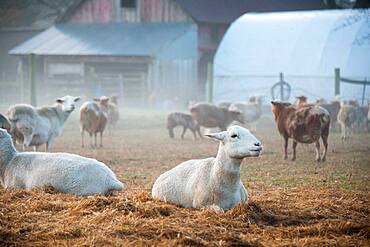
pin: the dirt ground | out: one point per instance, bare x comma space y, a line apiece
301, 203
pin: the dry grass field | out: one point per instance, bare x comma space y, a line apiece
299, 203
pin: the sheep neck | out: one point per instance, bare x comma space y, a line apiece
226, 170
7, 153
61, 115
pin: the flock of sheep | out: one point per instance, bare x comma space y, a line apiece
211, 182
302, 122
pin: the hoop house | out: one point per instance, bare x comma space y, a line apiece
306, 46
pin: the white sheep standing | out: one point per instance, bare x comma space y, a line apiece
251, 110
37, 126
211, 182
346, 118
67, 173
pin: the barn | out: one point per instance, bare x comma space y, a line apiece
134, 60
79, 54
306, 46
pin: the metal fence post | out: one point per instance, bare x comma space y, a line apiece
363, 93
32, 72
337, 81
281, 86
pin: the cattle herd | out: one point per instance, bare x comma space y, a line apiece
194, 183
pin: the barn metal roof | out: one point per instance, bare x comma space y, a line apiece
30, 14
119, 39
226, 11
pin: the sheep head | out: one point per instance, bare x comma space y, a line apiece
238, 142
67, 103
278, 106
301, 99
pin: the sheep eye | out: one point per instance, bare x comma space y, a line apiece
234, 136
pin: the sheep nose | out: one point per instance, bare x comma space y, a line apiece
257, 144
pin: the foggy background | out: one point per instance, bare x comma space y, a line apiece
154, 54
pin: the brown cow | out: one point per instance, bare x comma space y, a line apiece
212, 116
305, 125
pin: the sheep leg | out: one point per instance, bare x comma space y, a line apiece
344, 130
183, 132
101, 139
317, 144
194, 134
171, 133
35, 148
325, 142
95, 140
285, 148
294, 150
324, 137
198, 130
82, 138
91, 140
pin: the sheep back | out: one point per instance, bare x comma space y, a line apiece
92, 118
66, 173
188, 185
211, 116
309, 123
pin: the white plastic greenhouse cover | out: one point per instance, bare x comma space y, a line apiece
306, 46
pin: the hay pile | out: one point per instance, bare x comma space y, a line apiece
301, 217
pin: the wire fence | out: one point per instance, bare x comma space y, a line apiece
239, 88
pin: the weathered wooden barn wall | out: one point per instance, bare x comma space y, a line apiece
10, 83
162, 11
144, 11
94, 11
92, 76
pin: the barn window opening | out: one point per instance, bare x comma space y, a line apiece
128, 4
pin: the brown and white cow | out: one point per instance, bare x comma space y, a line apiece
305, 125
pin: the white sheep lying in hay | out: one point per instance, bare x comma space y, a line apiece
211, 182
66, 173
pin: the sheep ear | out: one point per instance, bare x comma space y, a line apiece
220, 136
60, 101
2, 132
77, 99
96, 99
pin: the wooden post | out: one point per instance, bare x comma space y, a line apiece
363, 93
32, 72
281, 86
20, 78
337, 81
210, 82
